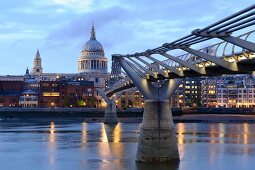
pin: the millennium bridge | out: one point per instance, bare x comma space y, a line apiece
157, 74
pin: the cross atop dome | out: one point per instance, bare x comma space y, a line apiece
93, 33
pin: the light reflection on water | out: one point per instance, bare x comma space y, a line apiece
215, 133
52, 145
84, 145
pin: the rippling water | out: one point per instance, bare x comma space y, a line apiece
97, 146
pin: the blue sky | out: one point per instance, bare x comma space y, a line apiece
59, 28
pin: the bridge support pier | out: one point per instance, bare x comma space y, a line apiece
110, 116
157, 141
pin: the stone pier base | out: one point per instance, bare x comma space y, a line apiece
110, 116
157, 141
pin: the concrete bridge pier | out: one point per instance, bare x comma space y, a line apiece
110, 116
157, 141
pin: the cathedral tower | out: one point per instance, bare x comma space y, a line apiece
37, 69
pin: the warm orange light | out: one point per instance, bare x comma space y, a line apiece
50, 94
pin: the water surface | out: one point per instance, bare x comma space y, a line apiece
52, 145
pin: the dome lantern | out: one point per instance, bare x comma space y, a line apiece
93, 33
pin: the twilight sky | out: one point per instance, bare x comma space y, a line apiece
59, 28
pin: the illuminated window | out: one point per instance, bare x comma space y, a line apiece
52, 94
211, 92
231, 101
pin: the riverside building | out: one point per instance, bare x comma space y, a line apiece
228, 91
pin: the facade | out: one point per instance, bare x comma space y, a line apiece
188, 93
28, 98
130, 99
79, 94
229, 91
50, 94
10, 92
59, 93
67, 94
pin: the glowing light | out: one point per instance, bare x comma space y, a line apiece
50, 94
117, 133
84, 132
180, 131
52, 127
246, 132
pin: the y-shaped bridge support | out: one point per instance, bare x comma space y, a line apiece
157, 141
110, 116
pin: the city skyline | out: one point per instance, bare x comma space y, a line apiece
59, 28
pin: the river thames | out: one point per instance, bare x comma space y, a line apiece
58, 145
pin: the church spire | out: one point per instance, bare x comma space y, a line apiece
37, 69
93, 33
27, 71
37, 54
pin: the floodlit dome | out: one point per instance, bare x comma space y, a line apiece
93, 45
92, 59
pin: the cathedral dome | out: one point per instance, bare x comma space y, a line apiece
92, 59
93, 45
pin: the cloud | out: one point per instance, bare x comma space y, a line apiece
78, 6
22, 34
15, 43
77, 27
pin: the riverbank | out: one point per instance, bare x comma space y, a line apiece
214, 115
192, 118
